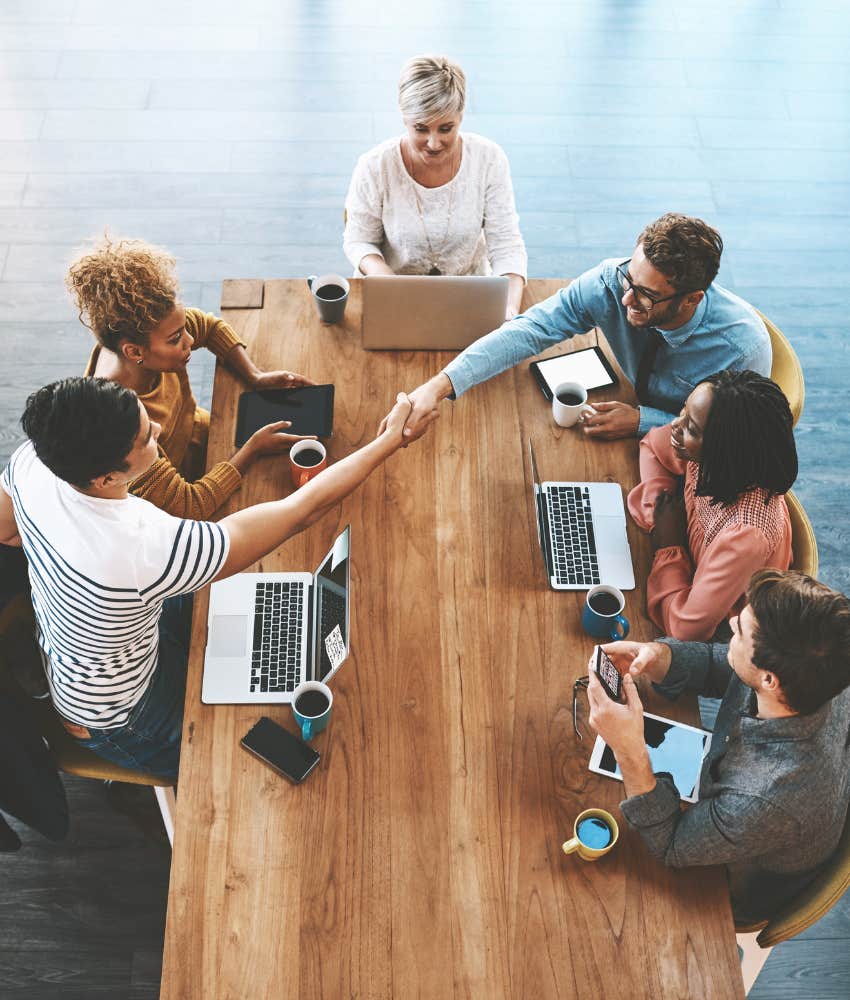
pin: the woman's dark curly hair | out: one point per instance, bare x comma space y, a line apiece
748, 439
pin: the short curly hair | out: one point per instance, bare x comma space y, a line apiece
123, 289
685, 249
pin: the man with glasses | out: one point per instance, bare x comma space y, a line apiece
668, 325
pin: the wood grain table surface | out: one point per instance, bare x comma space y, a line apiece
422, 858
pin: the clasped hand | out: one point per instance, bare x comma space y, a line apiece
670, 522
610, 421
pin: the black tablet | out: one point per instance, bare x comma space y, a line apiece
309, 407
588, 367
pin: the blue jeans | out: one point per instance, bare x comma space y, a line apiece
150, 739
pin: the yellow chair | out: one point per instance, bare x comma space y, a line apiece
68, 755
786, 370
756, 941
814, 902
803, 541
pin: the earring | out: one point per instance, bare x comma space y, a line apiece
139, 361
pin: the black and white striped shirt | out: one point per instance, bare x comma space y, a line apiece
100, 571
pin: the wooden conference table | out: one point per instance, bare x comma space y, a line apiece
422, 858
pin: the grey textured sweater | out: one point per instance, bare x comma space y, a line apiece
773, 792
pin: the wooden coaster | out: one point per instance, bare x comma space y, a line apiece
242, 293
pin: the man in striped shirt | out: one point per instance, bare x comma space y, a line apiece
112, 575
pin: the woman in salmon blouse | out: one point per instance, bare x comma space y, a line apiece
711, 496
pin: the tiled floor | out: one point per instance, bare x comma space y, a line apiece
228, 132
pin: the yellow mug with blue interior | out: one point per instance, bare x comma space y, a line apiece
594, 834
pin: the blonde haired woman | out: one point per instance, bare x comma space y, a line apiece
127, 293
435, 200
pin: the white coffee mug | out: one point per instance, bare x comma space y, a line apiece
566, 414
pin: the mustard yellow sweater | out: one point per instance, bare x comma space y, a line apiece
176, 481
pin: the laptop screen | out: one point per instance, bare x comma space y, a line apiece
538, 503
332, 620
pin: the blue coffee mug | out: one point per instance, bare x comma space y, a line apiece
602, 617
311, 706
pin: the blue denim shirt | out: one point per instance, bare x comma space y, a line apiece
773, 793
724, 333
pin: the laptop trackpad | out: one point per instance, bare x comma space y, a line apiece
228, 634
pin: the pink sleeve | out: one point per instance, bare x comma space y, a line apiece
660, 471
690, 604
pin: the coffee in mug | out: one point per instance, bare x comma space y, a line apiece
569, 402
602, 603
311, 706
309, 457
330, 293
306, 460
603, 616
569, 398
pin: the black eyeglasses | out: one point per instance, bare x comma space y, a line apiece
644, 298
581, 682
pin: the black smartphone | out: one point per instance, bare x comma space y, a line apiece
609, 675
282, 751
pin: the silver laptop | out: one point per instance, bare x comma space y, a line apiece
268, 632
412, 312
582, 532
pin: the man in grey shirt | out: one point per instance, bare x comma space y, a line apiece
775, 785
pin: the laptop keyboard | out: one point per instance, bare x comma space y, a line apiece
573, 542
278, 626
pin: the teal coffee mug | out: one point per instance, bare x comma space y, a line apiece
603, 613
311, 705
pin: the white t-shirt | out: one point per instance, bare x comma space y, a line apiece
471, 222
100, 571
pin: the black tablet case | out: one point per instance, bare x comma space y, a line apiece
540, 378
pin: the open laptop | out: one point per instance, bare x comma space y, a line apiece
268, 632
582, 533
414, 312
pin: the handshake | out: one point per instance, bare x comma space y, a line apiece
421, 408
608, 421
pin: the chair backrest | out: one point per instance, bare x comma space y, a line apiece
68, 755
786, 370
803, 541
816, 900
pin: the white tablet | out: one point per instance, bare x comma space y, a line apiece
588, 367
673, 747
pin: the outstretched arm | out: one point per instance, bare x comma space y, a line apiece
256, 531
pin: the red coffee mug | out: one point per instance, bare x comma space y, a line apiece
303, 464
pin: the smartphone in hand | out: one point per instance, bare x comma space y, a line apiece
609, 675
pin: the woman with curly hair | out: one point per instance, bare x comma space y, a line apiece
732, 451
126, 292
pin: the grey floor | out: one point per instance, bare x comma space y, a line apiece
228, 132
